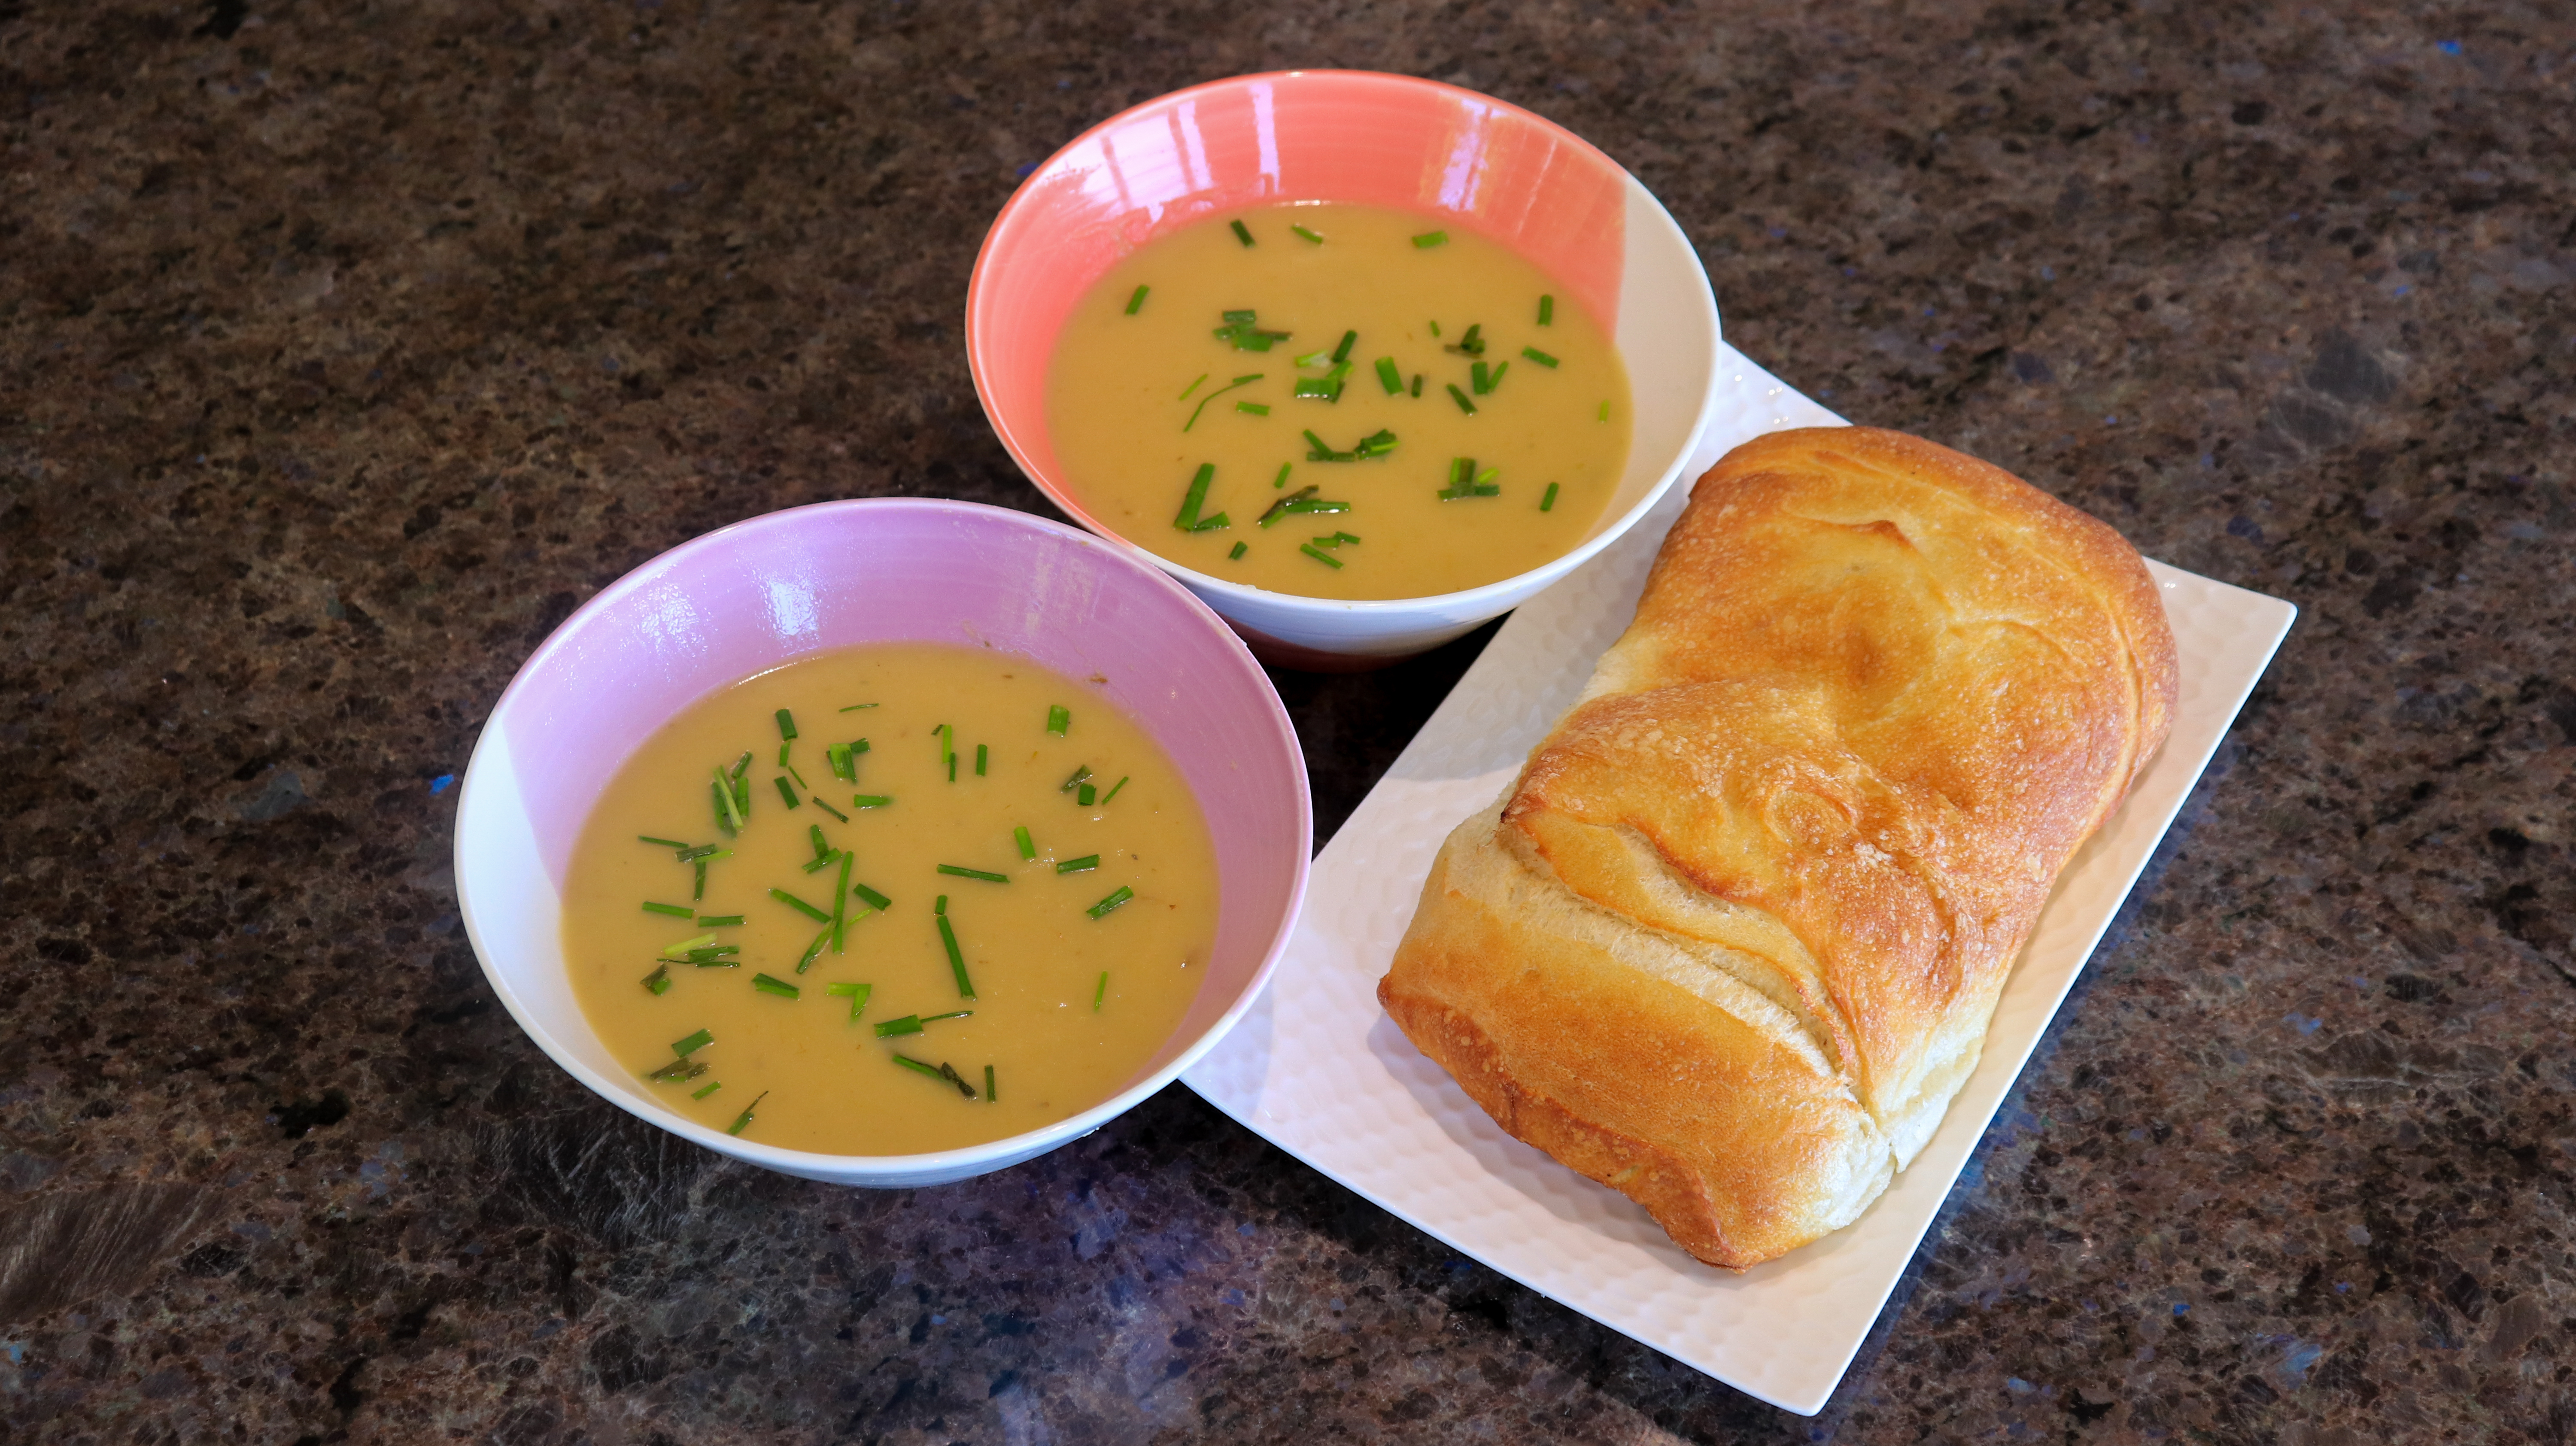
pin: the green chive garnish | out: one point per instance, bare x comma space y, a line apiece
1542, 358
704, 851
800, 778
659, 981
681, 949
719, 921
814, 836
841, 904
837, 758
786, 725
1481, 379
1547, 313
736, 1127
1113, 791
853, 708
960, 872
1240, 549
1470, 342
1548, 502
1429, 239
1028, 846
779, 987
952, 1014
1100, 991
1325, 558
1192, 387
1460, 398
949, 1073
939, 905
813, 951
788, 792
1605, 410
1079, 774
979, 760
1121, 895
677, 1070
1240, 233
956, 957
1318, 240
712, 1086
728, 815
800, 906
870, 800
1084, 864
1084, 794
1059, 718
1138, 300
991, 1095
668, 843
1282, 479
691, 1045
1388, 377
1342, 353
909, 1024
1417, 386
698, 889
916, 1065
1187, 519
825, 862
1257, 409
1435, 330
870, 897
857, 994
676, 911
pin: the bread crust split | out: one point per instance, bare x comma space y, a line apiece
1731, 942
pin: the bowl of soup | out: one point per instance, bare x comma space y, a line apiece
884, 842
1362, 360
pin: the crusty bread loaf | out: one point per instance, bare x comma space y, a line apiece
1732, 940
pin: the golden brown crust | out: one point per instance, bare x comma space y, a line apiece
1875, 696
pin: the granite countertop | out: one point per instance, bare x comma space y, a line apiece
345, 349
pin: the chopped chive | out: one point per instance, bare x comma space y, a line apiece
1429, 239
1470, 342
678, 1070
959, 871
909, 1024
1028, 846
800, 906
727, 815
870, 897
837, 758
979, 760
825, 862
659, 981
744, 1119
1240, 549
870, 800
956, 957
779, 987
1318, 240
668, 843
947, 738
1138, 300
719, 921
1548, 503
853, 708
1100, 991
991, 1095
1119, 896
786, 725
1605, 410
1542, 358
681, 949
800, 778
1079, 774
1240, 233
1496, 379
952, 768
1547, 313
698, 890
1192, 387
676, 911
952, 1014
841, 904
1388, 377
814, 835
1081, 865
1481, 379
939, 905
1312, 359
1187, 519
1059, 718
1257, 409
788, 793
1113, 791
691, 1045
1417, 386
704, 851
917, 1066
814, 950
1460, 398
842, 990
1239, 318
1325, 558
1342, 353
1282, 479
1084, 794
1435, 330
712, 1086
1280, 508
949, 1073
741, 766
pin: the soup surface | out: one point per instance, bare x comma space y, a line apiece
1357, 404
1078, 945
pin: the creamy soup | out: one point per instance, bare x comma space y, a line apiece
1338, 401
891, 900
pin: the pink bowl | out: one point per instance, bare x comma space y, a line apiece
1469, 162
752, 596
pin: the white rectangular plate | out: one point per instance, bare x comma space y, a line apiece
1320, 1071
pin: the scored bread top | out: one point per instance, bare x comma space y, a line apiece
1875, 696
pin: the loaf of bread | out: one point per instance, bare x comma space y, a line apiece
1731, 942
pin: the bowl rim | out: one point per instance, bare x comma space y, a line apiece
991, 1154
1484, 599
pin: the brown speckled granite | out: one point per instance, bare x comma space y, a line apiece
343, 348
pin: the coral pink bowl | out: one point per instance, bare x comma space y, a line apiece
746, 599
1464, 160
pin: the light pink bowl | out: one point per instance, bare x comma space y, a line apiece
1466, 161
761, 593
